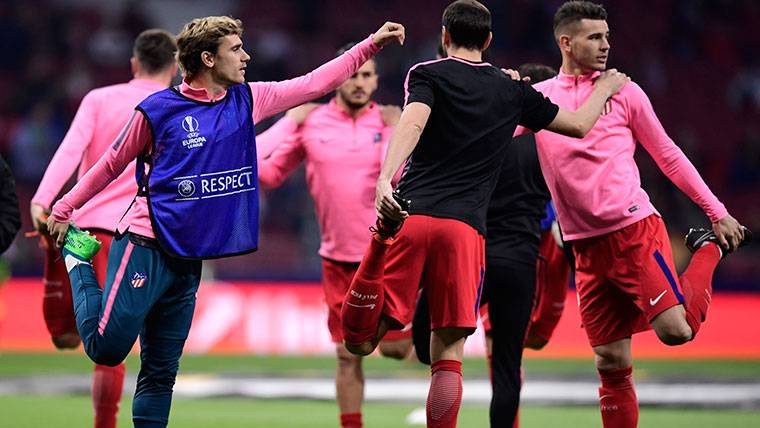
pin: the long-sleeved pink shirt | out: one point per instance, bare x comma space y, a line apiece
594, 181
99, 119
343, 157
269, 98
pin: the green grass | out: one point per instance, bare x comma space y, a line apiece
75, 412
22, 364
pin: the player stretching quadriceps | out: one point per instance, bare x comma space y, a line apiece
459, 116
197, 198
342, 144
625, 276
99, 120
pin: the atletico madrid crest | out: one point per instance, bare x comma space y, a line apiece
138, 279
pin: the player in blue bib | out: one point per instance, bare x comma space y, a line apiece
197, 199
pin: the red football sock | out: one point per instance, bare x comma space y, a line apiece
351, 420
445, 395
107, 384
696, 282
617, 399
363, 305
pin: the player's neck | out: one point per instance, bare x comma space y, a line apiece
572, 68
164, 78
351, 111
205, 81
473, 55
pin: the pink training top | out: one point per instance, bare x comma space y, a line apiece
269, 98
99, 119
343, 157
594, 181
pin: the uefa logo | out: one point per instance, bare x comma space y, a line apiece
190, 124
186, 188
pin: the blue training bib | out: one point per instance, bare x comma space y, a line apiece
202, 186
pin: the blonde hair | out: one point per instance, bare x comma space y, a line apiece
201, 35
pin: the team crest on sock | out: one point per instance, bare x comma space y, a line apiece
138, 279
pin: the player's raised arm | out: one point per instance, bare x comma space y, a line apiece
579, 123
404, 140
130, 143
671, 160
274, 97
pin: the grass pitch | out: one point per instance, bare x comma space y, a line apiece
75, 412
69, 411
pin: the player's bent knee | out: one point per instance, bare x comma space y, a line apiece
66, 341
362, 349
110, 358
397, 349
673, 335
536, 343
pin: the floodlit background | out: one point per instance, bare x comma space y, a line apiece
260, 315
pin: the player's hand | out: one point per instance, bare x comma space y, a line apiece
39, 217
385, 206
612, 81
515, 75
389, 32
390, 114
729, 232
57, 231
300, 113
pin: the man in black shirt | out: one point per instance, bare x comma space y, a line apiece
514, 239
462, 111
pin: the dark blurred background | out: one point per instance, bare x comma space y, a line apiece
697, 60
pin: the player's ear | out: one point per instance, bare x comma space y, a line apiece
564, 43
134, 65
488, 41
207, 58
445, 37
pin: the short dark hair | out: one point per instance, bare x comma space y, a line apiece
573, 11
468, 22
536, 72
155, 50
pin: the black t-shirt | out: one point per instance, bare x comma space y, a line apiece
517, 205
475, 109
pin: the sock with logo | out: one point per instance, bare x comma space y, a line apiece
617, 399
363, 305
351, 420
107, 385
445, 395
696, 283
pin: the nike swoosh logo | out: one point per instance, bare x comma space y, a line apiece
653, 302
371, 306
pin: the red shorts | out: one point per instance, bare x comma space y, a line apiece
57, 305
625, 279
447, 258
336, 278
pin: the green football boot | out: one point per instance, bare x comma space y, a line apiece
80, 243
